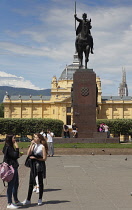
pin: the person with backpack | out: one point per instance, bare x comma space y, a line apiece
11, 154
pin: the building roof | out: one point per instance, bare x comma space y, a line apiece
19, 97
68, 72
116, 98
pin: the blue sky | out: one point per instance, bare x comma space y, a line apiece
37, 41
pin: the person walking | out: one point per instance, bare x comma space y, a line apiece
49, 135
37, 153
11, 154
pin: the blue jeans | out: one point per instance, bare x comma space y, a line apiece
13, 187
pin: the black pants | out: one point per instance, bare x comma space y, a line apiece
31, 185
66, 134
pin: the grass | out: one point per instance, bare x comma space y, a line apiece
92, 145
21, 144
78, 145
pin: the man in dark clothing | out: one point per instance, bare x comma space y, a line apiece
66, 131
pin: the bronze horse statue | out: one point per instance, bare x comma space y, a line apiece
84, 40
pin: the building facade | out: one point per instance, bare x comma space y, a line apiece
58, 105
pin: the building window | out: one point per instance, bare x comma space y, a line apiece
68, 119
68, 109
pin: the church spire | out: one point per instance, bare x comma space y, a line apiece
123, 89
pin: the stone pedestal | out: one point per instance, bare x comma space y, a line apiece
84, 102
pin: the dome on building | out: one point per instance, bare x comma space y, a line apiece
68, 72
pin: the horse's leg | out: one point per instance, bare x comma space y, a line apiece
81, 61
80, 56
87, 50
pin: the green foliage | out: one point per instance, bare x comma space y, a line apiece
30, 126
24, 127
1, 110
118, 126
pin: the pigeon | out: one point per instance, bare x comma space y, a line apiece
92, 153
126, 158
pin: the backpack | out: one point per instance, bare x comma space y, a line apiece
6, 172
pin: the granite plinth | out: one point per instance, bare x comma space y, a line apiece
84, 102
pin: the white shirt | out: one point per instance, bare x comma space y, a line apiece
38, 149
106, 128
49, 136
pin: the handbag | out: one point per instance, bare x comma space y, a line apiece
28, 162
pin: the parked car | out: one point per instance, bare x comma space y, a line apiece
2, 140
23, 139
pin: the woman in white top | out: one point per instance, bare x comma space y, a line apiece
38, 154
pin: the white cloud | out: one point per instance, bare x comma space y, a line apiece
14, 81
54, 36
107, 82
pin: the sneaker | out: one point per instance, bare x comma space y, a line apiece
12, 206
18, 203
34, 189
39, 202
37, 190
26, 202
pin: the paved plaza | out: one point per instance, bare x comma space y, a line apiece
80, 182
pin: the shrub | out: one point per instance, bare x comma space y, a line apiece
117, 126
30, 126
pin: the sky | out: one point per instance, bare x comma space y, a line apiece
37, 41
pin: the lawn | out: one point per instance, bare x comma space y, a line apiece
78, 145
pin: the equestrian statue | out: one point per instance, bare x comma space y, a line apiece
84, 40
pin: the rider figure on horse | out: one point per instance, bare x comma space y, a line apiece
84, 27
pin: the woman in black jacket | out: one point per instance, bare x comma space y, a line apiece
11, 154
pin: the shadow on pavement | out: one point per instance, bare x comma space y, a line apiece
3, 195
49, 190
47, 202
56, 201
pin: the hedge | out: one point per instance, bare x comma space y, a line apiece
30, 126
118, 126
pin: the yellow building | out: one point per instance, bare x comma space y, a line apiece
58, 105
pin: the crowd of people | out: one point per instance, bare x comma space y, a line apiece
41, 146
